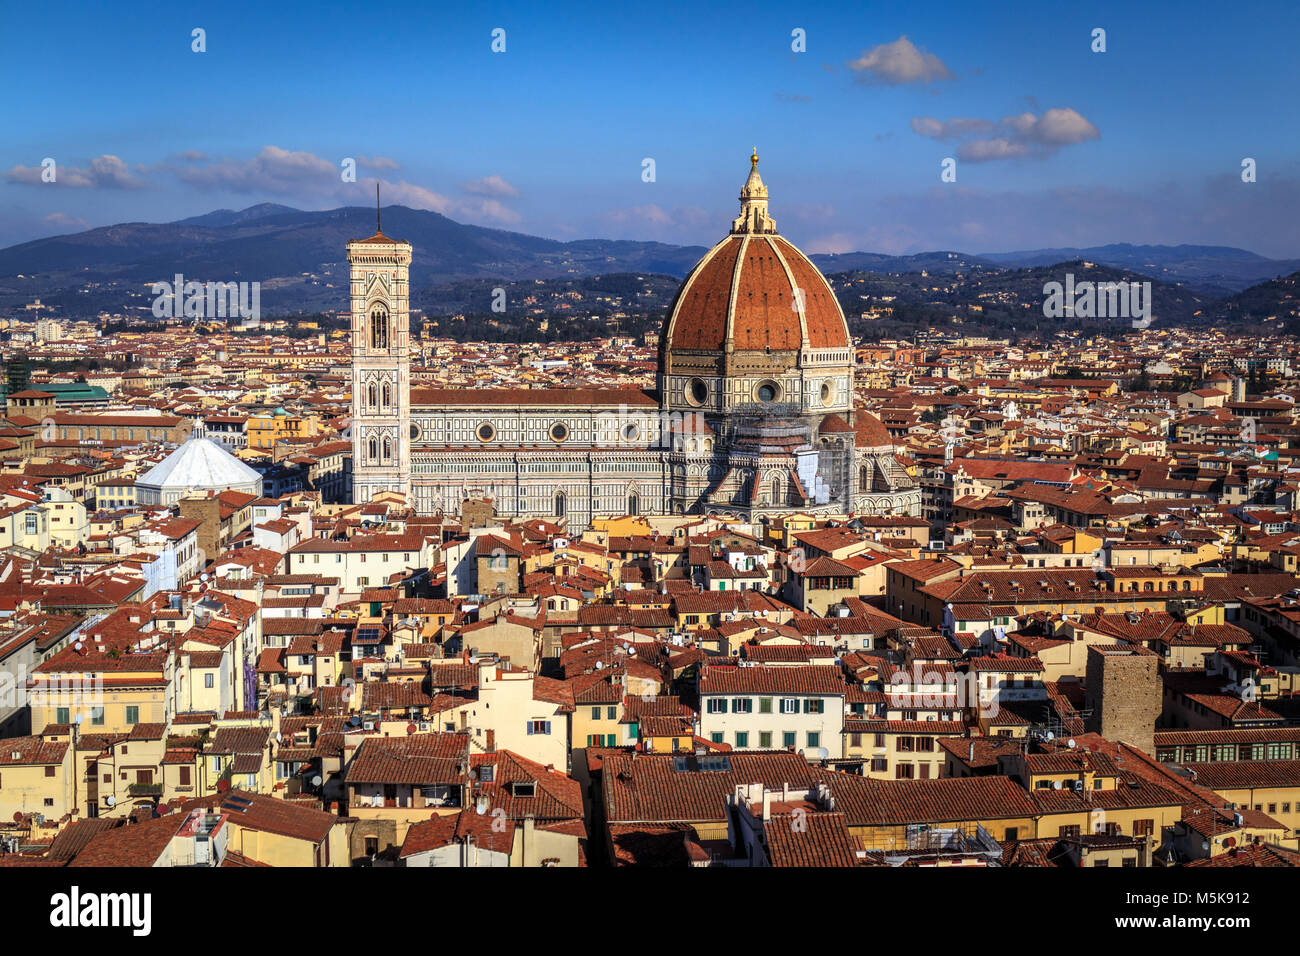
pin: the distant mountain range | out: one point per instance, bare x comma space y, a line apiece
299, 256
299, 259
1213, 270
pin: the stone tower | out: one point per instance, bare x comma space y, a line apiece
1124, 692
381, 365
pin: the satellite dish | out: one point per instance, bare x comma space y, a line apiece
110, 800
1056, 785
1071, 744
78, 719
1051, 736
278, 736
481, 806
315, 781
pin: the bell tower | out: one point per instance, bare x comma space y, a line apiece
381, 364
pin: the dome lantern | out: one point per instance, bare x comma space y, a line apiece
753, 216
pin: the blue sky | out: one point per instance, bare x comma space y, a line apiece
1055, 145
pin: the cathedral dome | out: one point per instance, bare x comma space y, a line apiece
754, 292
871, 432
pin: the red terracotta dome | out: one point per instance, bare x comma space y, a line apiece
754, 291
871, 433
743, 294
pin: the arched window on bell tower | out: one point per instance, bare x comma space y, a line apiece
864, 477
379, 328
776, 491
559, 505
388, 396
370, 393
634, 504
388, 448
373, 448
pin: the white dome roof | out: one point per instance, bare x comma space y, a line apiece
199, 463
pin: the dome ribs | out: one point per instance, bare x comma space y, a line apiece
764, 318
825, 321
700, 318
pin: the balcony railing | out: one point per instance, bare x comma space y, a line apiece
145, 789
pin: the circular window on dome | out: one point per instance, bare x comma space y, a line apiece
828, 393
697, 391
415, 432
631, 431
767, 392
486, 432
559, 431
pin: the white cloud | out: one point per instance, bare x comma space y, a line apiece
377, 162
1025, 135
950, 129
64, 221
1061, 127
104, 172
900, 62
418, 197
304, 176
489, 186
652, 214
984, 150
272, 170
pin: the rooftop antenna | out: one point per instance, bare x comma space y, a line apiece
378, 230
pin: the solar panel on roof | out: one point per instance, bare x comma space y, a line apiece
236, 804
